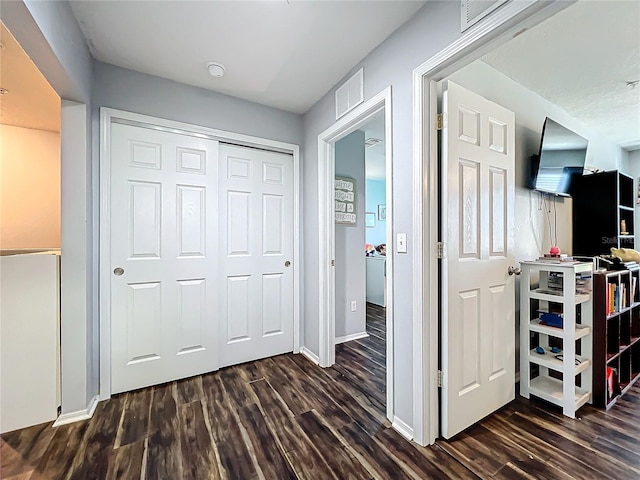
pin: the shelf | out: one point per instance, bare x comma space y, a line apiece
549, 296
615, 314
550, 389
628, 209
612, 356
549, 360
535, 326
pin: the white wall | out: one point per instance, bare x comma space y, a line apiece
350, 268
631, 166
29, 188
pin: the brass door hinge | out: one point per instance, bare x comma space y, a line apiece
440, 121
439, 378
441, 250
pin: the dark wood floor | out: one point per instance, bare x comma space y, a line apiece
285, 418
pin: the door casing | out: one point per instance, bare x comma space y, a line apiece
492, 31
326, 174
109, 116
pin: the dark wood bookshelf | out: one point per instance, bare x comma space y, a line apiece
616, 336
601, 201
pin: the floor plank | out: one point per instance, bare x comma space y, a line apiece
284, 417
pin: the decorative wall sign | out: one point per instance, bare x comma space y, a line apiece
345, 200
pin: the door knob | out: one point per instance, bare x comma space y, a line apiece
118, 271
287, 263
514, 270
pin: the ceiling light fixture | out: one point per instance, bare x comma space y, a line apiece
215, 69
3, 91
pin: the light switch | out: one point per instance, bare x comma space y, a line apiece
402, 243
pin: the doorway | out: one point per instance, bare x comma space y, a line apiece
360, 293
357, 119
30, 165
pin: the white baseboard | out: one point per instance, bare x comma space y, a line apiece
353, 336
78, 415
310, 355
402, 428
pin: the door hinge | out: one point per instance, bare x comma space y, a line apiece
440, 121
441, 250
439, 378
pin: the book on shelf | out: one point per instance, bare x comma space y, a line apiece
617, 298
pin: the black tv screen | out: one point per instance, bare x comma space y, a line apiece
562, 156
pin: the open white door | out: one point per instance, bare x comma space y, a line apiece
478, 314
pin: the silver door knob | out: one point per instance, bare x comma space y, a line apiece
118, 271
514, 270
287, 263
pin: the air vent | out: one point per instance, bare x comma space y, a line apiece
351, 94
370, 142
472, 11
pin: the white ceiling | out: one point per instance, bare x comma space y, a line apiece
31, 101
286, 54
580, 59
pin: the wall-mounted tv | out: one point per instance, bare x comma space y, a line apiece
562, 156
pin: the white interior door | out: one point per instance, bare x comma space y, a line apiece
478, 315
256, 246
164, 256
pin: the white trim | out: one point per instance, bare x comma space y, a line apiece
353, 336
402, 428
72, 417
326, 229
107, 116
304, 351
485, 35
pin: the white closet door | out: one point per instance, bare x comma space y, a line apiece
164, 256
256, 247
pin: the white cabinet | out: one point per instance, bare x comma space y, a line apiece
563, 376
376, 280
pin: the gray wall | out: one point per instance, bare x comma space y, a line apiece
433, 27
50, 35
349, 243
124, 89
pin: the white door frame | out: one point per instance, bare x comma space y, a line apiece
355, 119
496, 29
107, 117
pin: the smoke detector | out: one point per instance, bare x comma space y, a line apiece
3, 91
216, 69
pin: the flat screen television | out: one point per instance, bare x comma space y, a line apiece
562, 156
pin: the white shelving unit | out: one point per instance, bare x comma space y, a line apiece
562, 296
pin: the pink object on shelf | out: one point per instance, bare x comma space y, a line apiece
554, 251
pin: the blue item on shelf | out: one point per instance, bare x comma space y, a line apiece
551, 319
539, 350
555, 350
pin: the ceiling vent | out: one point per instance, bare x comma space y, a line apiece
370, 142
472, 11
350, 94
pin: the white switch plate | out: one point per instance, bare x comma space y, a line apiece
402, 243
353, 306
